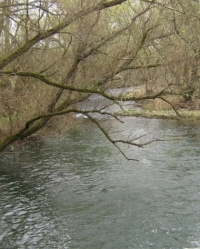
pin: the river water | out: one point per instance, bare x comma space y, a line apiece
77, 191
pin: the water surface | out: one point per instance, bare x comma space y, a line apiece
78, 191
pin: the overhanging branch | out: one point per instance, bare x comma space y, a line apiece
122, 97
116, 142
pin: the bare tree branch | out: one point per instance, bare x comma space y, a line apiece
115, 142
47, 33
122, 97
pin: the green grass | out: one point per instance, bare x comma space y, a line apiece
167, 114
4, 120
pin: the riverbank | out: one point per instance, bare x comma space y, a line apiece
163, 114
173, 108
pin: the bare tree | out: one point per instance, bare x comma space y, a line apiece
61, 53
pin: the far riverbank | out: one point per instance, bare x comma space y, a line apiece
163, 114
166, 114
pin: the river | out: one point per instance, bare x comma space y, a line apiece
76, 191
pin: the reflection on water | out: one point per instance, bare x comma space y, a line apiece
77, 191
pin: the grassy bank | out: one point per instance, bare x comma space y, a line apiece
164, 114
157, 108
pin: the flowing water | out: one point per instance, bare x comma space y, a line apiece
77, 191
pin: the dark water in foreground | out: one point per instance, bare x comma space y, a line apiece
77, 191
